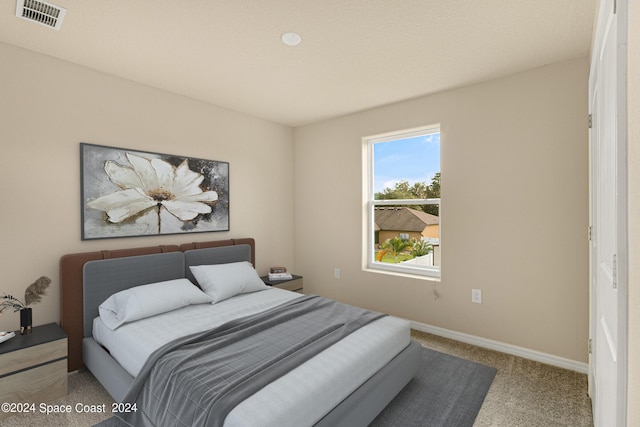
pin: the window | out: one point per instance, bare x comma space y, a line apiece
403, 202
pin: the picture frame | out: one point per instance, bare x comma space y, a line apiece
133, 193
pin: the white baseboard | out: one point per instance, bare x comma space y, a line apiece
514, 350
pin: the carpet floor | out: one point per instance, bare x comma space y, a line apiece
524, 393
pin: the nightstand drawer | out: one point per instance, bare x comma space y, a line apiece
290, 285
32, 356
36, 385
33, 367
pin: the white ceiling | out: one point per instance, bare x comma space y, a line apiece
354, 55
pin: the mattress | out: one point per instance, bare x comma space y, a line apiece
298, 398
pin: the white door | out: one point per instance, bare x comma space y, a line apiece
608, 216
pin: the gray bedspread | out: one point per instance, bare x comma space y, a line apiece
197, 380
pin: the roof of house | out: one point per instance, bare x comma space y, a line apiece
403, 218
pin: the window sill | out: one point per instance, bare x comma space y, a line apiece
433, 276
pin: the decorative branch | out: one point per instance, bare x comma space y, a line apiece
9, 301
36, 290
32, 295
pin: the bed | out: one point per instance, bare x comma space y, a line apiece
347, 384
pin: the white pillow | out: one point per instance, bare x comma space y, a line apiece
222, 281
148, 300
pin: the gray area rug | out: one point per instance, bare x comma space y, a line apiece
446, 392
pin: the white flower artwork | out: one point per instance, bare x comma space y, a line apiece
130, 193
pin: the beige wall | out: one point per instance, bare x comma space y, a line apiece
633, 114
514, 155
47, 107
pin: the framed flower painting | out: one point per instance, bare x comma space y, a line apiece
129, 193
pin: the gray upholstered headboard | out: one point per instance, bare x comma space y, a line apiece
104, 278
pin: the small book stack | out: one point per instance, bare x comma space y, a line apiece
279, 273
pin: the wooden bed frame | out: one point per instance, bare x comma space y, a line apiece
358, 409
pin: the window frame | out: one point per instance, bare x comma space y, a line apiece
370, 203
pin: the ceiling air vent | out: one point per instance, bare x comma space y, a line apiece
41, 12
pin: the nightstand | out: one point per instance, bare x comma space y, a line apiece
295, 284
33, 367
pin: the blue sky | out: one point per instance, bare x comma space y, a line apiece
414, 159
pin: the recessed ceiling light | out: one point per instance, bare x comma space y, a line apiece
291, 39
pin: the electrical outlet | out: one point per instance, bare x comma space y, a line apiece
336, 273
476, 296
